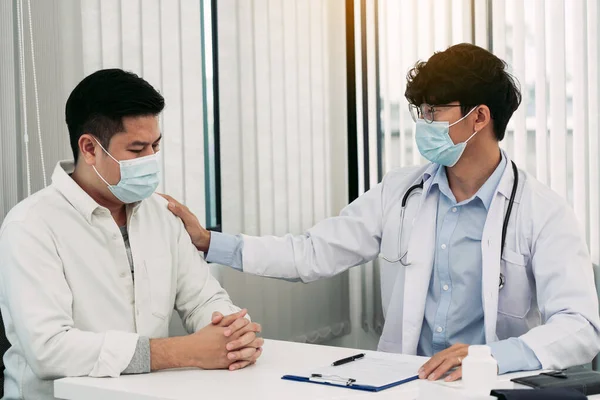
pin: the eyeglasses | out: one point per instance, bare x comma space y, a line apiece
427, 111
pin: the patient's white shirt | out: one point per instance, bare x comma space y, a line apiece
67, 296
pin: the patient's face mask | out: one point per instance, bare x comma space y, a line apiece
139, 177
436, 145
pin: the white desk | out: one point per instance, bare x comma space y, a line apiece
261, 381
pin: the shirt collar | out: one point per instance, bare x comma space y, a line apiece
488, 190
75, 195
485, 193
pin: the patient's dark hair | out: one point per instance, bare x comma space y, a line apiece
470, 75
99, 102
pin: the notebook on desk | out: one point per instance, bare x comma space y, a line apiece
370, 373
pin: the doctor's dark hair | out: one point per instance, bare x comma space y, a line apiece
470, 75
99, 102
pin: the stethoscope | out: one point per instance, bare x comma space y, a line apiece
412, 190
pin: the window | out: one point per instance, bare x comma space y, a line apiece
210, 110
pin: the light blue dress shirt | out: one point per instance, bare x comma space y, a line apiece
453, 309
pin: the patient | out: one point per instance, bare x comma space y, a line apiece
92, 267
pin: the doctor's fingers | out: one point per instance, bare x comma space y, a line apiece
455, 353
431, 365
427, 369
191, 222
175, 206
166, 197
449, 363
434, 362
456, 374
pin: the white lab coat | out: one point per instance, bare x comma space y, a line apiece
548, 300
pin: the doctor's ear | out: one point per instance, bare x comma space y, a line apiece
88, 149
483, 117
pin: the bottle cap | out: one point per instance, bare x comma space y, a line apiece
480, 351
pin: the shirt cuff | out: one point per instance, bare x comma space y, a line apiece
140, 362
225, 249
514, 355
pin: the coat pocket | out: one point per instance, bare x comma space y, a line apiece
514, 298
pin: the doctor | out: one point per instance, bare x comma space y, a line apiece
473, 250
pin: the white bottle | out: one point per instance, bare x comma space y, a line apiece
479, 371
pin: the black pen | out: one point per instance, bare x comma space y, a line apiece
348, 359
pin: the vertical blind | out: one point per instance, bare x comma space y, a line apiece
593, 112
58, 68
552, 48
277, 127
9, 141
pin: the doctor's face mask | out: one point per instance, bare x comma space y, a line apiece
434, 141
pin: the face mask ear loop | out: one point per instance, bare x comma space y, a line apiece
93, 166
470, 137
100, 176
469, 113
102, 147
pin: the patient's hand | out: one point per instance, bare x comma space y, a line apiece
244, 346
205, 349
209, 349
228, 342
200, 236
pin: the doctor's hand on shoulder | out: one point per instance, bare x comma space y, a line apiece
200, 236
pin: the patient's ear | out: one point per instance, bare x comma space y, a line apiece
87, 149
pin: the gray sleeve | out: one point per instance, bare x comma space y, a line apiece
140, 362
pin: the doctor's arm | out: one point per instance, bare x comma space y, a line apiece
566, 294
566, 297
327, 249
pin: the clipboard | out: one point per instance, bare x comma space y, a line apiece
371, 374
